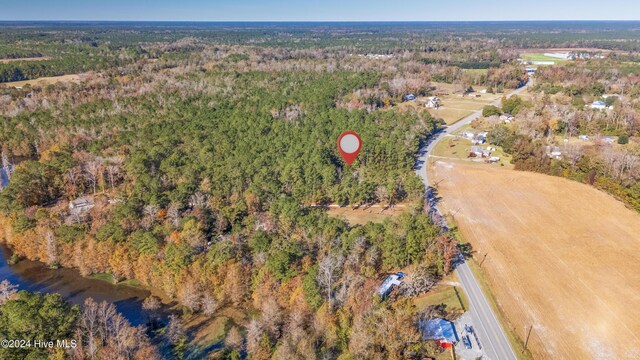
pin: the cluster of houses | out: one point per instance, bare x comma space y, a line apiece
605, 139
433, 102
477, 150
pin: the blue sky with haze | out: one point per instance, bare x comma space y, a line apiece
317, 10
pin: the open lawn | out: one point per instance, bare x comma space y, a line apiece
445, 293
560, 255
535, 57
45, 80
363, 215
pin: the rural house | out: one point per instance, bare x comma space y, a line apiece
599, 105
476, 151
469, 135
389, 283
440, 330
480, 138
507, 118
433, 103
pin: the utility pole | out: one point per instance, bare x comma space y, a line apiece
483, 259
526, 342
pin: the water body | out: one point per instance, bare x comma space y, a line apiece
36, 276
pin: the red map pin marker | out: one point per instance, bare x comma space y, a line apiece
349, 145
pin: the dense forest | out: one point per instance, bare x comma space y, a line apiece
199, 160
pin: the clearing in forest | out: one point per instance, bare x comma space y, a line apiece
364, 214
6, 61
561, 256
45, 80
455, 106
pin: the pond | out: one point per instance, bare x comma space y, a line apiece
36, 276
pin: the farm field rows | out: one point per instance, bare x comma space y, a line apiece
560, 255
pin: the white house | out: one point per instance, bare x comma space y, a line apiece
469, 134
507, 118
554, 152
433, 103
389, 283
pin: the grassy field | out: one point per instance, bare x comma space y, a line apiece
363, 215
561, 256
45, 80
533, 57
453, 297
109, 278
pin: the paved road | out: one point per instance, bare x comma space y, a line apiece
494, 342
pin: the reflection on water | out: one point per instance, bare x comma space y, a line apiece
35, 276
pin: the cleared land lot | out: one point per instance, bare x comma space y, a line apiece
6, 61
363, 215
562, 256
45, 80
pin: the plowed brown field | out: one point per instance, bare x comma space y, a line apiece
562, 256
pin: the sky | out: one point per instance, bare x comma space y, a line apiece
319, 10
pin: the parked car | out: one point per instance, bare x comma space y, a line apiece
467, 342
